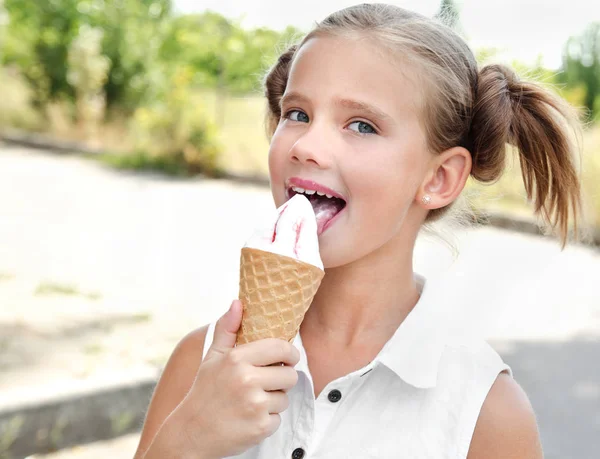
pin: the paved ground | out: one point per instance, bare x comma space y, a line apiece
102, 272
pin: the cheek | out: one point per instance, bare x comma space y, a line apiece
385, 189
276, 156
277, 160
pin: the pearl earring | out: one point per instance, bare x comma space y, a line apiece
426, 199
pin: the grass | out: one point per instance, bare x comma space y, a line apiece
142, 161
6, 277
242, 133
141, 317
591, 175
49, 288
93, 349
16, 110
121, 422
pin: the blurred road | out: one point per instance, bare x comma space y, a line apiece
168, 250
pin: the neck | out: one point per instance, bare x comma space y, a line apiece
363, 303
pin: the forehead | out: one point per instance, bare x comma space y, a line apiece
326, 67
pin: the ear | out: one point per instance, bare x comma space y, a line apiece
447, 177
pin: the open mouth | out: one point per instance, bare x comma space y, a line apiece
325, 206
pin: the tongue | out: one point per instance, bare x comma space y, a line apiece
325, 210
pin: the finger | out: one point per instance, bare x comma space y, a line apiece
269, 351
274, 423
226, 330
277, 378
278, 402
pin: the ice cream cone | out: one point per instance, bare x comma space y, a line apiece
276, 291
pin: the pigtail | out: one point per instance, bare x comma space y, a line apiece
536, 122
275, 84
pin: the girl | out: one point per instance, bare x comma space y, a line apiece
387, 110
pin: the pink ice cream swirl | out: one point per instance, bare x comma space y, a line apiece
292, 234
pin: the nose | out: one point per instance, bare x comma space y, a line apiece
311, 149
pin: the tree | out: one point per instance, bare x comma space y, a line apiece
581, 66
133, 34
223, 55
38, 42
88, 71
40, 34
449, 14
3, 23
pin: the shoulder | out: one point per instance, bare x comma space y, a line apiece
175, 382
186, 357
507, 426
496, 416
472, 349
193, 341
469, 366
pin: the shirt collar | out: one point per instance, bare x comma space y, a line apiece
415, 349
413, 353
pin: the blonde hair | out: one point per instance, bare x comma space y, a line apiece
481, 109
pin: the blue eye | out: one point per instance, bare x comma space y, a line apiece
297, 115
363, 128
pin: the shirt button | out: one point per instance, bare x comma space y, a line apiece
334, 396
298, 453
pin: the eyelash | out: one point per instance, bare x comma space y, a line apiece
286, 115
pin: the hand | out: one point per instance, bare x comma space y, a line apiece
236, 397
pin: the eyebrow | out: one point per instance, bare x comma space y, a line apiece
368, 109
365, 108
292, 97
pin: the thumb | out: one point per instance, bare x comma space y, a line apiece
226, 330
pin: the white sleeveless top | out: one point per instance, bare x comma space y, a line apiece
419, 398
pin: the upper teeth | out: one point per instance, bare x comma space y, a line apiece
297, 189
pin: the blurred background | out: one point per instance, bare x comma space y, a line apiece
133, 166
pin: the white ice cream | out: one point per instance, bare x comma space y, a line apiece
292, 232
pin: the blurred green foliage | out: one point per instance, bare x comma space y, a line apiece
175, 130
449, 14
143, 41
131, 63
159, 85
221, 52
16, 108
40, 34
581, 67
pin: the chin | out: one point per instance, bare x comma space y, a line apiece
334, 253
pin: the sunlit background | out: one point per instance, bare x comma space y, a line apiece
515, 27
133, 167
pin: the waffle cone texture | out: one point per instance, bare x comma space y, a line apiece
276, 291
